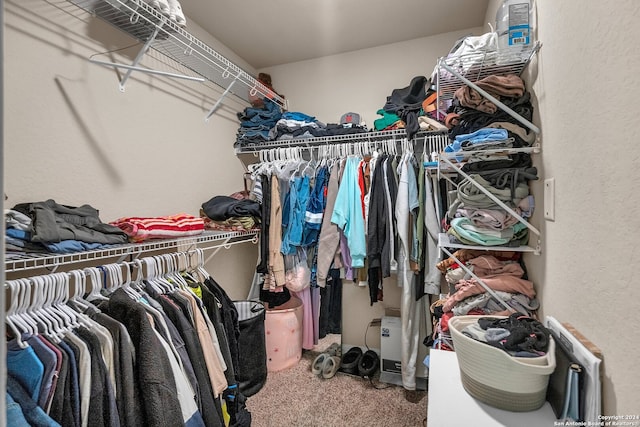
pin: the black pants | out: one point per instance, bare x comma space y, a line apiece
331, 305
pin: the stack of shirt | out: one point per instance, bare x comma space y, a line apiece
50, 227
256, 123
229, 213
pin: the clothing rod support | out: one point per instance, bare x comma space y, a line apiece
219, 101
139, 56
479, 280
491, 98
146, 70
226, 245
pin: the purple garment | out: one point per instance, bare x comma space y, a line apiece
315, 306
346, 256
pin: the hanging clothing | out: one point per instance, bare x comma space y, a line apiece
347, 212
157, 385
276, 261
329, 238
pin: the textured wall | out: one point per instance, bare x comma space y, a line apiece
585, 83
72, 136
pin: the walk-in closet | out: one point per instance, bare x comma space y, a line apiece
234, 214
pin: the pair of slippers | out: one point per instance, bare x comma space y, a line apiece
328, 362
356, 362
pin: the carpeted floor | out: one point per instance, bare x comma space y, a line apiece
295, 397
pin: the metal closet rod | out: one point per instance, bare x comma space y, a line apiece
365, 137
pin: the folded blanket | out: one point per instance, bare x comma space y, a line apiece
143, 228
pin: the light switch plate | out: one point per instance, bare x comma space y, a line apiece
549, 199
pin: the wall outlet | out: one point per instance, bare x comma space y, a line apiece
549, 199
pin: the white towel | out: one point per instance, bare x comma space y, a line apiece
175, 12
161, 5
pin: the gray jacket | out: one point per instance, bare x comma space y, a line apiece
52, 223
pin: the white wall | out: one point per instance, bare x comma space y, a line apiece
72, 136
585, 83
360, 81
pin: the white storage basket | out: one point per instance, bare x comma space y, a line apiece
496, 378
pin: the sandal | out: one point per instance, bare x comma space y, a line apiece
334, 349
330, 367
318, 363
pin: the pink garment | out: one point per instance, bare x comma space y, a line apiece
162, 227
490, 266
307, 318
503, 282
498, 275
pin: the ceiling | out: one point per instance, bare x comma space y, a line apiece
274, 32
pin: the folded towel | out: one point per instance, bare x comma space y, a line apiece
175, 12
161, 5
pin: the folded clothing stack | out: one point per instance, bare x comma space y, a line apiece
140, 229
231, 214
257, 122
170, 8
51, 227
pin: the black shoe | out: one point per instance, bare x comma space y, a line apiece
368, 365
351, 360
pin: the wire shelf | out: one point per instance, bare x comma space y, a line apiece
206, 240
376, 136
445, 242
142, 21
481, 64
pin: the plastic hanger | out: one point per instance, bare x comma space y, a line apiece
94, 274
10, 320
60, 295
36, 310
24, 305
176, 270
63, 292
61, 320
152, 275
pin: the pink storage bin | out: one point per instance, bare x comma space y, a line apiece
283, 335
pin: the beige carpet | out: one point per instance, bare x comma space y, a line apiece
296, 397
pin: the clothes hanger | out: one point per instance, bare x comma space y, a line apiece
138, 282
37, 309
178, 260
62, 320
60, 291
162, 264
10, 319
97, 283
79, 289
155, 271
24, 306
199, 267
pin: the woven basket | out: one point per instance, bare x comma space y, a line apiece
494, 377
